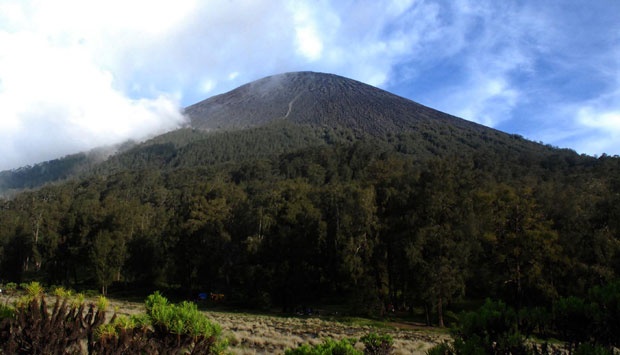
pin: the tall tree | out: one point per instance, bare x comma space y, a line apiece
524, 246
442, 241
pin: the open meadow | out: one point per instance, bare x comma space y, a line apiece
272, 334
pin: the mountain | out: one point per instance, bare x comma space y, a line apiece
288, 112
317, 99
260, 119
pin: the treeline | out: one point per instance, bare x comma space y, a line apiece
356, 224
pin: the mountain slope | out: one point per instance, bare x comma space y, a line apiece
316, 99
287, 112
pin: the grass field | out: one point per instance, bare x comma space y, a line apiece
250, 333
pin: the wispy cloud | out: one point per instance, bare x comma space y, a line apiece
590, 127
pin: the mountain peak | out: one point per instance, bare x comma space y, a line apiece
315, 99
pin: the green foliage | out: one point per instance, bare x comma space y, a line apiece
605, 301
592, 349
32, 327
61, 292
6, 312
377, 344
444, 348
102, 303
573, 318
155, 302
184, 322
182, 318
593, 319
10, 287
33, 289
36, 328
492, 329
374, 344
327, 347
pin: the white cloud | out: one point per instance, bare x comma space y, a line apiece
489, 44
309, 43
487, 101
598, 126
56, 97
207, 86
609, 121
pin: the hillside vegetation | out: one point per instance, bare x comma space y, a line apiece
294, 215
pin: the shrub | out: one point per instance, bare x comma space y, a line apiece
182, 326
10, 287
375, 344
492, 329
327, 347
592, 349
6, 312
441, 349
61, 292
165, 329
33, 329
33, 289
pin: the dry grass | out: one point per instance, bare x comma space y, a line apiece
261, 334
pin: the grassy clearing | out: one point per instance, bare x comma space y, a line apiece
250, 333
262, 334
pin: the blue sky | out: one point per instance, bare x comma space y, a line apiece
78, 74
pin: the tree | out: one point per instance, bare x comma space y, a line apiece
441, 243
201, 250
524, 246
107, 255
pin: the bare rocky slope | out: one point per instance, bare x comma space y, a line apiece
317, 99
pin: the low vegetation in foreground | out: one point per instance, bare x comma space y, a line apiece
63, 322
71, 326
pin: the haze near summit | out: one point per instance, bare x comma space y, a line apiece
76, 75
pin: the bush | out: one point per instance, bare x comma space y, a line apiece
375, 344
164, 329
6, 312
592, 349
606, 309
33, 329
10, 287
492, 329
328, 347
441, 349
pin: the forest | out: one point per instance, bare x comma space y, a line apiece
362, 223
